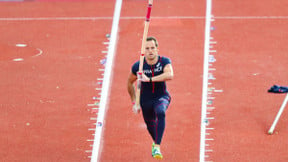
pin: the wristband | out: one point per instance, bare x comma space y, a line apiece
133, 103
150, 79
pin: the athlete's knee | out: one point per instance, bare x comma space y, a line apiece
160, 113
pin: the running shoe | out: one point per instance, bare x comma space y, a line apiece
156, 153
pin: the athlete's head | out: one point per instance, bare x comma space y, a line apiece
152, 39
151, 49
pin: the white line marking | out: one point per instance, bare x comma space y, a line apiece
251, 17
53, 18
106, 82
38, 54
94, 104
133, 17
11, 0
205, 80
210, 108
18, 59
21, 45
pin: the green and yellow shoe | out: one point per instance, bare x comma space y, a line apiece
156, 153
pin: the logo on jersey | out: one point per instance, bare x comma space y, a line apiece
158, 64
156, 69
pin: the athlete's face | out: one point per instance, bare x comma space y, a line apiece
151, 51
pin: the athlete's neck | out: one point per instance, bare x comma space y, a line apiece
152, 61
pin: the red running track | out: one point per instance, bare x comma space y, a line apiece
44, 99
44, 113
125, 136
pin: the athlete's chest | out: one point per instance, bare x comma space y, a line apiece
152, 70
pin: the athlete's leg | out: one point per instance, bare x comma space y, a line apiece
161, 106
149, 118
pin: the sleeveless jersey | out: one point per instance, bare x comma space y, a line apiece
152, 90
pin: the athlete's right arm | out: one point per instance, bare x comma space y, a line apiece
130, 86
131, 90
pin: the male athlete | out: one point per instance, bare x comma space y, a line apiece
154, 98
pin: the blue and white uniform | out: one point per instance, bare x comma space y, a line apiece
154, 98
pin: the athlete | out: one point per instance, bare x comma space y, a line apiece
154, 98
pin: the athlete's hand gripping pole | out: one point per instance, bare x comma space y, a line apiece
140, 72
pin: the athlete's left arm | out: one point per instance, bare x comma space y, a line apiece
165, 76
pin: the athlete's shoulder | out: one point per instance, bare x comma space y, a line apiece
135, 67
136, 63
165, 60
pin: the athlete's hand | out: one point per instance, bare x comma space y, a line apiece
136, 108
143, 77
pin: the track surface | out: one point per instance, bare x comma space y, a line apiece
44, 99
251, 57
44, 113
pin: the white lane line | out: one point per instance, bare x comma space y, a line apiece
11, 0
134, 17
106, 82
205, 89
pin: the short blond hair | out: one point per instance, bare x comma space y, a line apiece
151, 38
